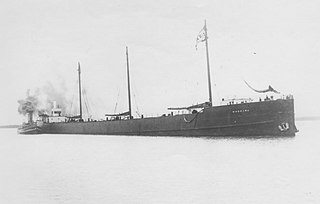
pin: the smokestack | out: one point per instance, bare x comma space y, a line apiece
30, 117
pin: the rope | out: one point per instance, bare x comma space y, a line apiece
92, 104
86, 102
115, 108
71, 103
135, 100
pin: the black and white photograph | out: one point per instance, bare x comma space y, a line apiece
145, 101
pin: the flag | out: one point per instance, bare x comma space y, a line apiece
202, 36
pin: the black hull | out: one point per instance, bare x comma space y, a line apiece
267, 118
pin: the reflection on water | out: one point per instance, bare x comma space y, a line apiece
114, 169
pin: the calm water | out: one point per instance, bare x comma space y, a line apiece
113, 169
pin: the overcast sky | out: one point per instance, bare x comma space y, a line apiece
272, 42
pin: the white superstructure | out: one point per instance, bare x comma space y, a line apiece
56, 114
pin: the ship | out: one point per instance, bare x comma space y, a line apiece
243, 118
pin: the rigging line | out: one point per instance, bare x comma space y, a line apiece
217, 91
92, 106
89, 109
87, 102
89, 106
135, 99
74, 112
83, 92
90, 103
71, 103
85, 99
115, 108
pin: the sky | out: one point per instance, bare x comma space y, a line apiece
273, 42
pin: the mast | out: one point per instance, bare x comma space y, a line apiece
79, 72
208, 65
128, 76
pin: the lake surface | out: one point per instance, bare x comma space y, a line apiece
121, 169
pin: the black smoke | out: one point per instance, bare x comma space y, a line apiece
28, 105
41, 99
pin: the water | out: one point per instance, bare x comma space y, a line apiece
113, 169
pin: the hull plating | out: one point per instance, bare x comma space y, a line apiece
267, 118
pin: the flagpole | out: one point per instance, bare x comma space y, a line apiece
208, 65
